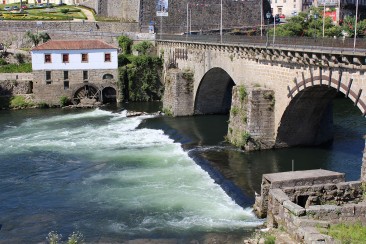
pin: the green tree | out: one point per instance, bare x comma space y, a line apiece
37, 38
125, 44
309, 24
143, 47
348, 27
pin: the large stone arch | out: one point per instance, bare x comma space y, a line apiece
214, 93
308, 118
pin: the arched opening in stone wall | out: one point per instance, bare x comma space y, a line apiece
308, 119
214, 93
109, 95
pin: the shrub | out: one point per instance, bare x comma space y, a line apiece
65, 10
143, 47
20, 58
348, 233
125, 43
15, 68
3, 62
64, 101
20, 102
75, 238
122, 60
242, 93
53, 237
42, 105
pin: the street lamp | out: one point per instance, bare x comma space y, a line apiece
323, 18
274, 29
354, 38
268, 15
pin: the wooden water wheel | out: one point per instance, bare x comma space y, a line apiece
86, 93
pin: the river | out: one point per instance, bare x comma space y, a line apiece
114, 178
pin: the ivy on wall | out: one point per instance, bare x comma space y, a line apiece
139, 76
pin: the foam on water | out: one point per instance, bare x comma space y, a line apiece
140, 174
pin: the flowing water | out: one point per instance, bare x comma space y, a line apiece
95, 172
115, 178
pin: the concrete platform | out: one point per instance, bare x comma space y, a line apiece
302, 178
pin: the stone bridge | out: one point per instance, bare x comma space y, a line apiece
277, 96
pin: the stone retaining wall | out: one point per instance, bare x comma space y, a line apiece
16, 76
15, 87
304, 223
363, 167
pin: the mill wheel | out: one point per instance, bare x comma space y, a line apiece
86, 93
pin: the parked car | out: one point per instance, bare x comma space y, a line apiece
31, 6
7, 8
15, 7
40, 5
282, 16
24, 7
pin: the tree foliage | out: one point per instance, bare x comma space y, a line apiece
125, 44
37, 38
349, 27
308, 24
143, 47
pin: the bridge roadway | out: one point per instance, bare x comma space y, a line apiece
289, 85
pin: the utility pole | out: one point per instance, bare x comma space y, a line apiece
221, 24
354, 39
261, 5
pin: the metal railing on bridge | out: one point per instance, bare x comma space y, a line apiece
336, 44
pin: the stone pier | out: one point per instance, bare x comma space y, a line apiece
363, 168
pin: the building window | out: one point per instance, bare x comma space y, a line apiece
65, 58
48, 77
66, 75
85, 75
66, 85
107, 57
47, 58
84, 57
107, 77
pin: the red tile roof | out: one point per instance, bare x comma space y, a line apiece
74, 45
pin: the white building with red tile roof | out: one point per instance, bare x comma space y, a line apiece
74, 54
77, 69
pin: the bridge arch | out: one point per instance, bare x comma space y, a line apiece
214, 92
308, 118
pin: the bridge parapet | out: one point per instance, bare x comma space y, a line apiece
320, 56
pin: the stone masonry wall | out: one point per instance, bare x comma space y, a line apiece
303, 223
15, 87
72, 27
51, 93
252, 118
363, 167
127, 10
178, 94
204, 15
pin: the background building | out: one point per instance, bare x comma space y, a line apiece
287, 7
68, 2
